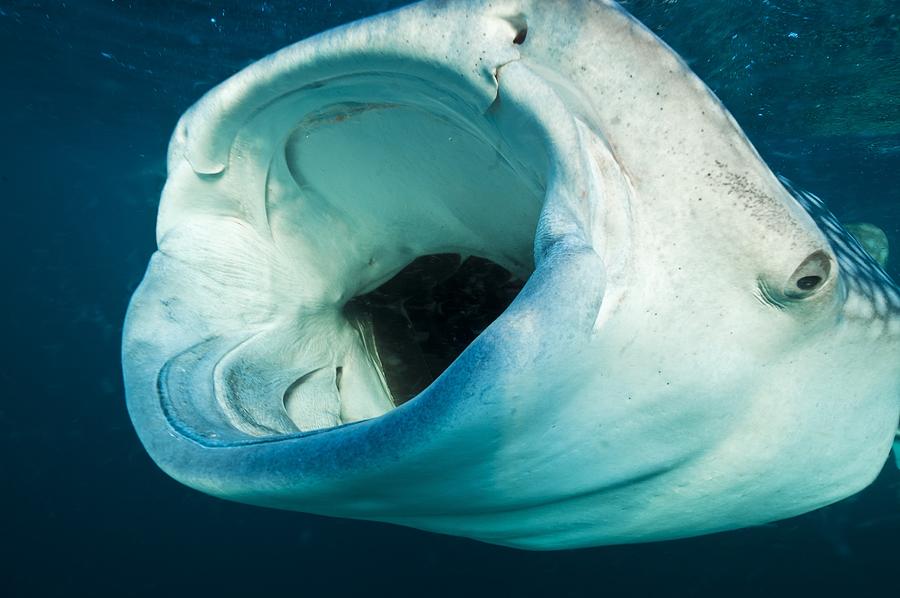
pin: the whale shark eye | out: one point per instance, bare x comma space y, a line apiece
809, 277
809, 283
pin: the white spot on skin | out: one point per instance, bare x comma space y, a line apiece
858, 307
877, 328
893, 296
841, 245
865, 289
881, 305
894, 326
866, 309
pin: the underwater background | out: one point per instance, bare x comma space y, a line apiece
90, 91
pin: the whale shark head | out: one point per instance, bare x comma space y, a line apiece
695, 346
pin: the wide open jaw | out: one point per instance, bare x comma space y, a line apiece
294, 194
368, 174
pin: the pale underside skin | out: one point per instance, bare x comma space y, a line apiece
661, 374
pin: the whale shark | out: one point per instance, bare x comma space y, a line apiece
682, 342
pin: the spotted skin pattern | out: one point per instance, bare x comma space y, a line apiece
871, 294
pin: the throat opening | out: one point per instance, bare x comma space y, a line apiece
424, 317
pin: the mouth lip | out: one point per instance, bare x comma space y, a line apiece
205, 135
226, 434
212, 440
193, 410
315, 466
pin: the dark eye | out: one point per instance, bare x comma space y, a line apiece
809, 276
808, 283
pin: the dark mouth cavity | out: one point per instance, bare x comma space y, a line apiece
427, 314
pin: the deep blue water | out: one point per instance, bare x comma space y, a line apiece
89, 93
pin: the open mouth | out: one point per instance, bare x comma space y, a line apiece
415, 228
397, 220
